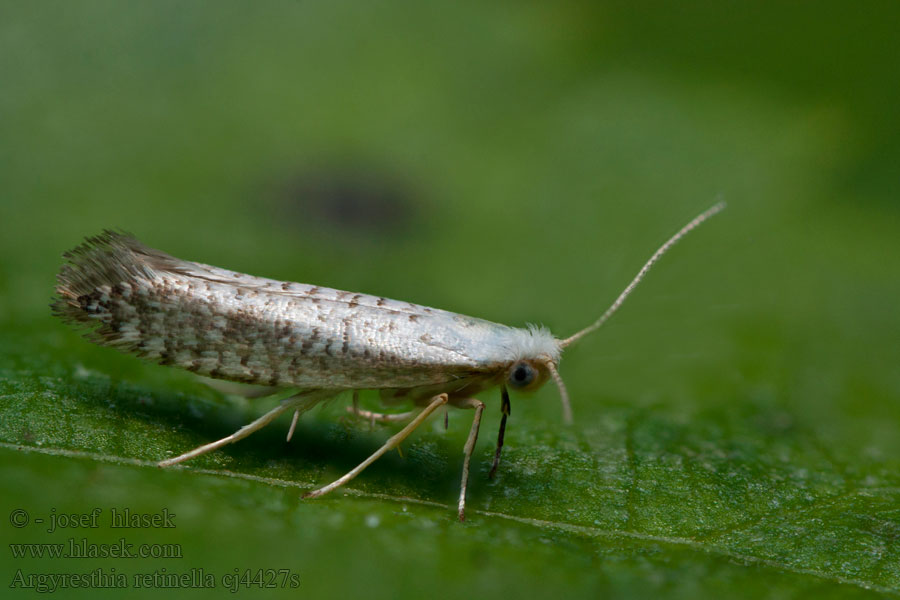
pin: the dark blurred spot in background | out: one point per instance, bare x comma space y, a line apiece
348, 200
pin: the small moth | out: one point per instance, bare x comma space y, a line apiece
310, 343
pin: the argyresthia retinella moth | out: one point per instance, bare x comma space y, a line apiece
309, 341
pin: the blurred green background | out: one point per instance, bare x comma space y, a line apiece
736, 423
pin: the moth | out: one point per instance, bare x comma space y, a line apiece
310, 343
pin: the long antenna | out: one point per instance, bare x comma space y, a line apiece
656, 255
563, 392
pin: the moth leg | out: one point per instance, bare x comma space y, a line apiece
293, 426
356, 411
380, 417
469, 448
392, 443
300, 403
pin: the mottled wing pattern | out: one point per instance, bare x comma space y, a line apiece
307, 291
249, 329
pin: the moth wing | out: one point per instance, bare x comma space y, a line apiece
229, 325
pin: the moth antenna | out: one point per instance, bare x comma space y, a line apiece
563, 393
717, 208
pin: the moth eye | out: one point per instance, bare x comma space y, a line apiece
521, 375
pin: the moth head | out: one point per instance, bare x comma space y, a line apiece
529, 374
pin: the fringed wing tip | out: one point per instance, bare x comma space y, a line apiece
100, 260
